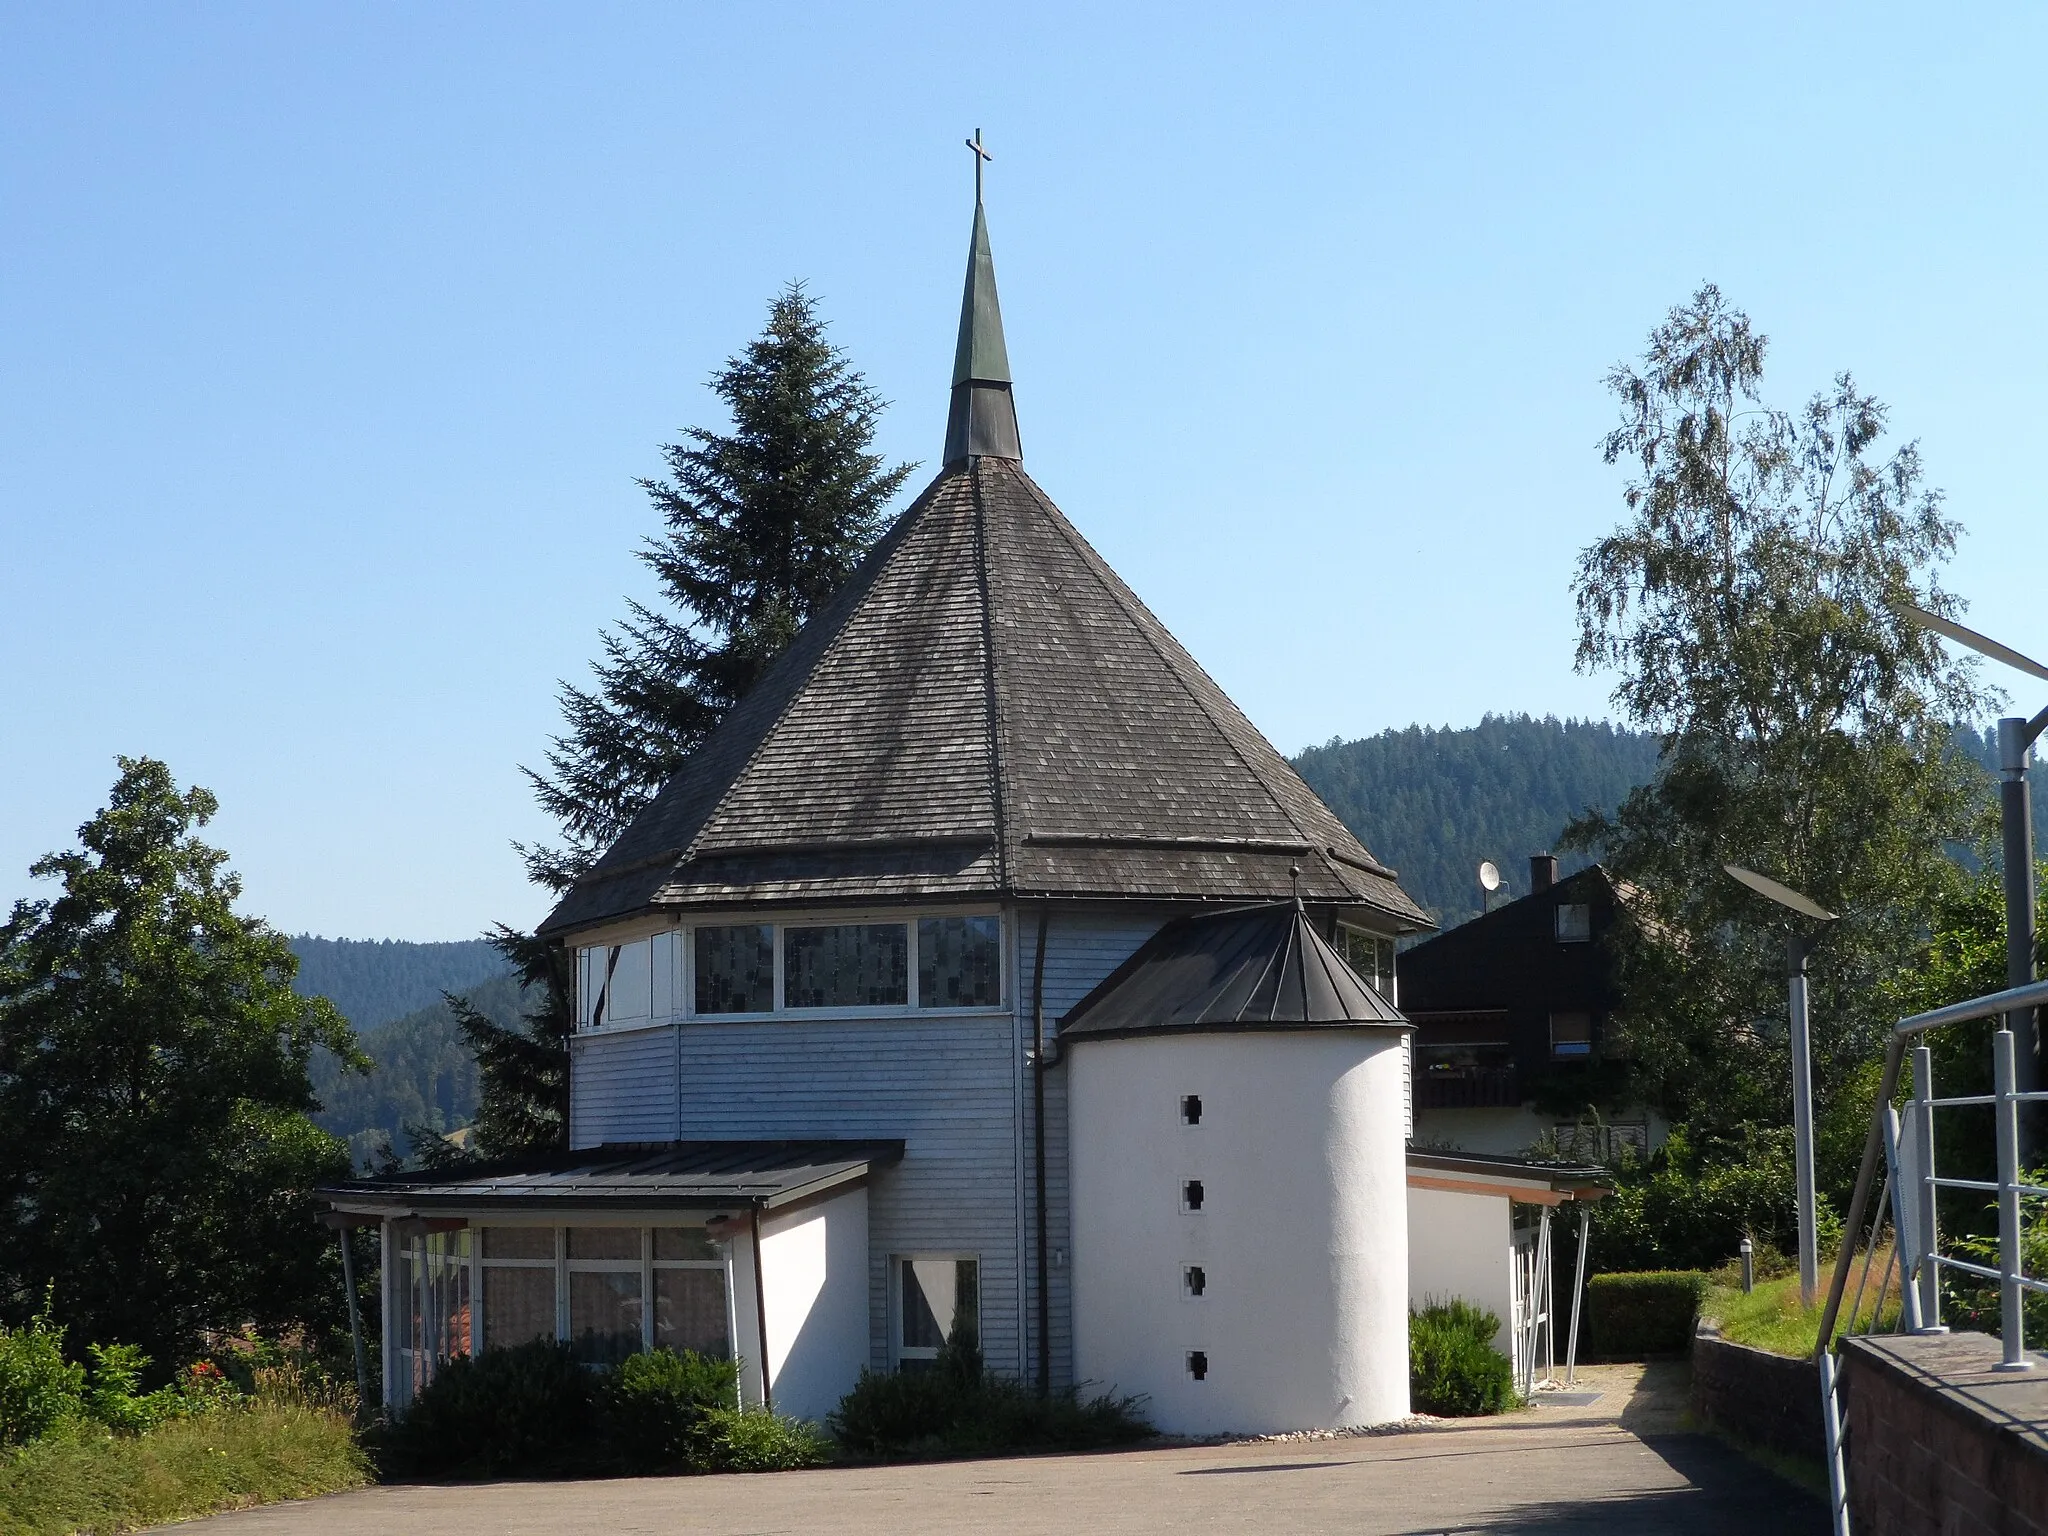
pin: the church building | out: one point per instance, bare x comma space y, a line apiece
986, 971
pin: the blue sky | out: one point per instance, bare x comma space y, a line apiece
335, 336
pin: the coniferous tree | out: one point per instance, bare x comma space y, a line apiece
763, 524
156, 1156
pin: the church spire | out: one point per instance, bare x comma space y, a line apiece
983, 418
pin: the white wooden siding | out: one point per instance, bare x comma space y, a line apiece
622, 1087
945, 1086
1082, 946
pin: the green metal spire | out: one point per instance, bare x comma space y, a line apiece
983, 420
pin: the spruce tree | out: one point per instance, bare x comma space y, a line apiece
762, 525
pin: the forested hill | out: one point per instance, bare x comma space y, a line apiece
373, 981
1433, 803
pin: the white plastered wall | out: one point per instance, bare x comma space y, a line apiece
814, 1263
1302, 1238
1462, 1245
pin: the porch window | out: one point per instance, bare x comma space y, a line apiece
937, 1299
736, 969
959, 962
851, 965
518, 1278
689, 1293
606, 1291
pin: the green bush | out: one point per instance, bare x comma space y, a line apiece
115, 1397
1692, 1203
534, 1410
1632, 1316
957, 1408
530, 1408
1453, 1368
39, 1389
657, 1405
754, 1440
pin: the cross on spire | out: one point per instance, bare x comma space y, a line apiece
981, 157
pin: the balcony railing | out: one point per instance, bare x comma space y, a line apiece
1469, 1088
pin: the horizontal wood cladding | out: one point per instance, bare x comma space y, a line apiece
945, 1086
1081, 948
622, 1087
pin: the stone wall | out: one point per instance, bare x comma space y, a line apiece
1765, 1399
1939, 1444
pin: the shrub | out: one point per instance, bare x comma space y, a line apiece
656, 1406
39, 1389
115, 1398
1453, 1368
959, 1409
754, 1440
530, 1408
1630, 1316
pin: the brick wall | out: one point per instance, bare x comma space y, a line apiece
1766, 1399
1939, 1444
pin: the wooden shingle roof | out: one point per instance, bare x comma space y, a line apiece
985, 710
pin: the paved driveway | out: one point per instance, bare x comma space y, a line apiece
1613, 1469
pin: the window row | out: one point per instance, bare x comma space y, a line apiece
746, 968
608, 1292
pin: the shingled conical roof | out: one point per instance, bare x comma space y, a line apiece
985, 710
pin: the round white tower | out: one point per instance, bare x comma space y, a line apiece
1238, 1167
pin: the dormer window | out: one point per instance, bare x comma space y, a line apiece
1574, 923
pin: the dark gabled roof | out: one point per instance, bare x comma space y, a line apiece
984, 710
701, 1175
1253, 968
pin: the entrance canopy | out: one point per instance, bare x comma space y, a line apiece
667, 1175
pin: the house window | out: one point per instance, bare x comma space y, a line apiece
518, 1277
1194, 1281
1191, 1195
736, 969
853, 965
610, 1291
1191, 1109
1371, 955
626, 983
1571, 1034
605, 1293
690, 1305
937, 1299
959, 962
1574, 923
1198, 1365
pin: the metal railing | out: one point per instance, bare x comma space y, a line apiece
1906, 1146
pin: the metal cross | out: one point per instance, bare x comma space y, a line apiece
981, 156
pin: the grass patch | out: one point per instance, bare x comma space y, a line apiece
87, 1479
1771, 1318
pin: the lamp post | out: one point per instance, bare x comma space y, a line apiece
2016, 738
1798, 946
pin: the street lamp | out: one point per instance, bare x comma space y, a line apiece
1797, 947
2016, 824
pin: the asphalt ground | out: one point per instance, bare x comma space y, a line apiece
1622, 1465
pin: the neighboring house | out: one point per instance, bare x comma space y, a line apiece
1512, 1016
825, 1110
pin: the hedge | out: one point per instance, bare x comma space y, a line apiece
1633, 1316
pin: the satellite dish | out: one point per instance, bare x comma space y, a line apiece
1783, 895
1489, 876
